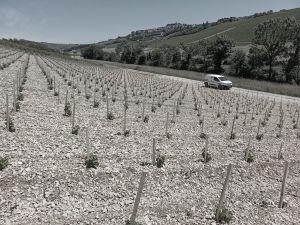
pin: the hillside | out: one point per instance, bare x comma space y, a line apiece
241, 31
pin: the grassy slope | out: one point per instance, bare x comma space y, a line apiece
266, 86
242, 33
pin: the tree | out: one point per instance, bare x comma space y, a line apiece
220, 49
272, 36
293, 63
93, 52
238, 61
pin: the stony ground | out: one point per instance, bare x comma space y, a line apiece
46, 181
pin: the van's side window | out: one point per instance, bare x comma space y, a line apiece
216, 79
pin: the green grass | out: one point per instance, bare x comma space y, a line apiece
242, 32
265, 86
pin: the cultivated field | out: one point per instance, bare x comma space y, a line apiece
69, 115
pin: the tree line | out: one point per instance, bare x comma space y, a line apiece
273, 55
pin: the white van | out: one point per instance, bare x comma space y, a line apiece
217, 81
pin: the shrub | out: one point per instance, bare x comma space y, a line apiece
3, 163
75, 129
91, 161
225, 216
56, 93
160, 161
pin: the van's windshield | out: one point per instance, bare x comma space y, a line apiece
222, 78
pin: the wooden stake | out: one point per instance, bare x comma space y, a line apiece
124, 124
221, 201
153, 152
167, 123
7, 113
73, 115
138, 197
286, 168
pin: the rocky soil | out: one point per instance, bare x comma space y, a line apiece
47, 182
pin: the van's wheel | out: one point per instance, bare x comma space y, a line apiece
220, 87
205, 84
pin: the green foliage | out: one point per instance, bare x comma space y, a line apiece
93, 52
273, 34
11, 126
91, 161
67, 109
75, 129
132, 223
220, 49
160, 161
225, 216
3, 163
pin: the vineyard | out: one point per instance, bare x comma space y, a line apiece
95, 144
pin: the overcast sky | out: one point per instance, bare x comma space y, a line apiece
89, 21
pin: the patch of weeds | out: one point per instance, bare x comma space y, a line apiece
91, 161
69, 83
110, 116
56, 93
218, 115
203, 135
232, 136
3, 163
259, 137
263, 123
295, 126
96, 104
126, 105
11, 126
225, 216
132, 223
298, 135
20, 97
168, 135
21, 88
250, 156
146, 119
137, 102
177, 111
160, 161
206, 156
159, 104
145, 164
87, 96
96, 89
224, 123
75, 129
18, 106
153, 109
67, 109
127, 133
113, 99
